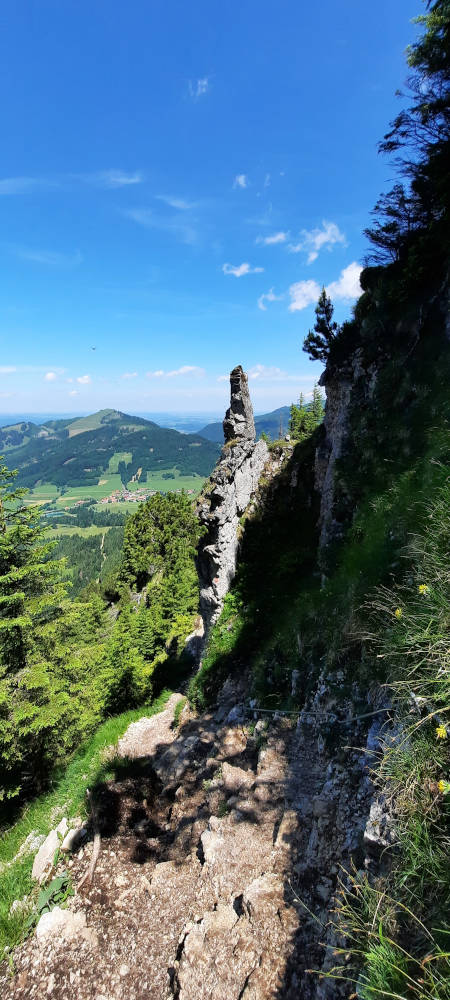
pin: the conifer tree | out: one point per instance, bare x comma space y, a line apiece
30, 584
317, 408
318, 341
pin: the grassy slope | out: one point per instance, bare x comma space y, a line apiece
393, 497
67, 798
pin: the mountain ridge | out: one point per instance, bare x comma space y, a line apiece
78, 451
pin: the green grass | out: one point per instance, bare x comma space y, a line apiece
67, 798
119, 456
69, 529
156, 482
111, 481
178, 710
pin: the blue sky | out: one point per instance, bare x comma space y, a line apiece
177, 182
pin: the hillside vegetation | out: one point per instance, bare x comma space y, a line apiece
75, 453
372, 603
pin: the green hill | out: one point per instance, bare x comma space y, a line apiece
78, 452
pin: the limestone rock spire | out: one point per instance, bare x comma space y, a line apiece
239, 424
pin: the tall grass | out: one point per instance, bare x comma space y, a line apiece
400, 934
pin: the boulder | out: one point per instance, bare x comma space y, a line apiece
235, 778
61, 923
74, 839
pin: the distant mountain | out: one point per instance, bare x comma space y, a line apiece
77, 451
274, 424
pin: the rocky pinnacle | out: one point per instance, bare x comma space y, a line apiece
239, 424
231, 488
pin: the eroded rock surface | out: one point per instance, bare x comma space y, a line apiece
231, 488
221, 847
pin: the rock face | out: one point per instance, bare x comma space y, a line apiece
239, 423
232, 486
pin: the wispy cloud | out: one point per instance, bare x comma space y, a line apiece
273, 374
73, 392
179, 203
346, 288
22, 185
241, 269
84, 379
314, 240
240, 181
182, 229
267, 241
50, 376
198, 88
267, 181
184, 370
48, 258
268, 297
116, 178
109, 178
7, 369
129, 375
347, 285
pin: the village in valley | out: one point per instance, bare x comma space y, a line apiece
134, 496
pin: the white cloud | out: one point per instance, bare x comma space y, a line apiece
49, 258
222, 378
182, 230
187, 370
178, 203
268, 297
274, 374
7, 369
240, 181
84, 379
303, 293
117, 178
184, 370
19, 185
267, 241
267, 181
50, 376
347, 285
312, 241
198, 88
129, 375
241, 269
73, 392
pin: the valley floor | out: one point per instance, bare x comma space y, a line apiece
220, 846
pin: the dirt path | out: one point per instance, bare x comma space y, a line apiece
209, 834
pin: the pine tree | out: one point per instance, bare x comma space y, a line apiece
317, 408
318, 341
30, 583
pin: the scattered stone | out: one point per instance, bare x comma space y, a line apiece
43, 861
124, 970
61, 923
235, 778
73, 839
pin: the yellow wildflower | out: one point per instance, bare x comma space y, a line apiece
398, 613
444, 786
424, 589
441, 732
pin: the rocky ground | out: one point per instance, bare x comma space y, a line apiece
219, 854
